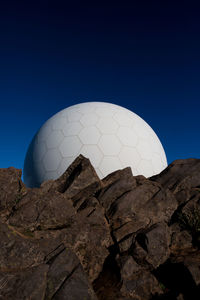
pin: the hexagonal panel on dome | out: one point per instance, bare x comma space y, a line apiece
107, 125
127, 136
109, 144
89, 135
144, 131
145, 150
123, 119
44, 132
89, 119
160, 147
99, 173
50, 175
109, 164
39, 151
86, 108
64, 114
54, 139
40, 170
163, 159
70, 146
53, 119
72, 128
93, 153
154, 142
156, 162
58, 123
145, 168
129, 157
73, 116
134, 170
104, 111
52, 159
64, 164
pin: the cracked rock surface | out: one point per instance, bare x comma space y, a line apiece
122, 237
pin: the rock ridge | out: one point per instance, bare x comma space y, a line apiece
123, 237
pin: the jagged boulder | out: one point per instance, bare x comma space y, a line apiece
12, 189
122, 237
182, 178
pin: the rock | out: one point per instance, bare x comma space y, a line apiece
192, 263
18, 251
138, 209
50, 210
26, 284
181, 241
181, 177
120, 238
66, 278
114, 186
78, 182
152, 245
91, 243
12, 189
138, 282
76, 287
141, 287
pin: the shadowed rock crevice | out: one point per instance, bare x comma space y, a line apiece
176, 279
142, 240
108, 284
175, 215
75, 173
50, 257
187, 216
120, 238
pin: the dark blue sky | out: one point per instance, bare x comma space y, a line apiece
144, 55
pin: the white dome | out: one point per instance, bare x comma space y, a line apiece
111, 136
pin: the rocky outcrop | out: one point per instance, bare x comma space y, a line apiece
122, 237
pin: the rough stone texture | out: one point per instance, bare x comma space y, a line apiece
12, 190
137, 209
122, 237
152, 245
27, 284
48, 210
181, 177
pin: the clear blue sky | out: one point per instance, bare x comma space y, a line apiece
144, 55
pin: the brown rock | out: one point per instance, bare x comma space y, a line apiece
12, 189
181, 241
121, 238
158, 240
143, 206
18, 251
115, 185
152, 246
65, 273
192, 263
128, 266
181, 177
138, 283
26, 284
50, 210
91, 243
75, 287
79, 181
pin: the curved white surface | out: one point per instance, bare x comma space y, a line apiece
111, 136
